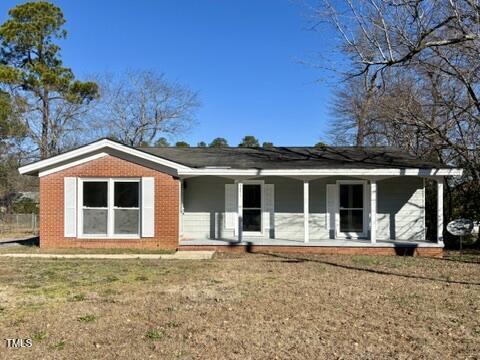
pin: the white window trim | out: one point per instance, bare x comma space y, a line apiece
260, 233
110, 209
344, 235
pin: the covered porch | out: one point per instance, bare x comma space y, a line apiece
308, 211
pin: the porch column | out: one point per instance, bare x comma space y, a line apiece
240, 210
440, 210
373, 211
306, 196
181, 209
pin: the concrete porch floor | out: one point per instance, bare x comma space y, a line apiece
361, 243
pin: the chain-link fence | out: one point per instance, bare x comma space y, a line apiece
19, 223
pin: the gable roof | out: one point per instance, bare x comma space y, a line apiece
294, 158
294, 161
92, 151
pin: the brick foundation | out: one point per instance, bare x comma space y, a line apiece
52, 206
325, 250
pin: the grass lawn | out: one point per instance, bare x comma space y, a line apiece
248, 306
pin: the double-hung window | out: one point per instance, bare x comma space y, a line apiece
109, 208
126, 210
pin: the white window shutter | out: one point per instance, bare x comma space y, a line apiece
70, 206
268, 205
230, 206
148, 207
331, 209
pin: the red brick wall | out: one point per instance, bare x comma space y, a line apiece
52, 207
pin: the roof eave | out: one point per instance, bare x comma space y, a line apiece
73, 157
324, 172
37, 167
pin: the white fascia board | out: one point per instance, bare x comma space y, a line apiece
99, 145
71, 164
322, 172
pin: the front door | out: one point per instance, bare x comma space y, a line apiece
252, 208
351, 211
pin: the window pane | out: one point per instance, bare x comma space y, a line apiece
126, 194
351, 220
95, 193
94, 221
126, 221
252, 196
351, 196
252, 220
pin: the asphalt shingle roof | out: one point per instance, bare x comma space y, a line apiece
294, 158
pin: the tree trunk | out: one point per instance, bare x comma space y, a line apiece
45, 125
360, 141
365, 108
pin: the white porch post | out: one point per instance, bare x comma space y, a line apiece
240, 210
181, 210
440, 210
373, 211
306, 197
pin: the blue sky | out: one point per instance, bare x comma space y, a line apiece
243, 57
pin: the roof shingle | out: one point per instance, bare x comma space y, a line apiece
294, 158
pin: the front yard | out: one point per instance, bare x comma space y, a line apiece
249, 306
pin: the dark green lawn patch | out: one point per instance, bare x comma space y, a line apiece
87, 318
39, 335
78, 297
59, 345
155, 334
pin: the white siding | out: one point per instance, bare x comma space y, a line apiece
204, 208
231, 209
400, 208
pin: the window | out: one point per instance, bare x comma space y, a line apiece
110, 207
95, 207
351, 208
126, 208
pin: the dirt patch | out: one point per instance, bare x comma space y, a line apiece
242, 307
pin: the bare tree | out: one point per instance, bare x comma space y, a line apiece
351, 109
413, 79
140, 107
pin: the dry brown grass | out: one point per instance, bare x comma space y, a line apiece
14, 235
249, 306
33, 249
